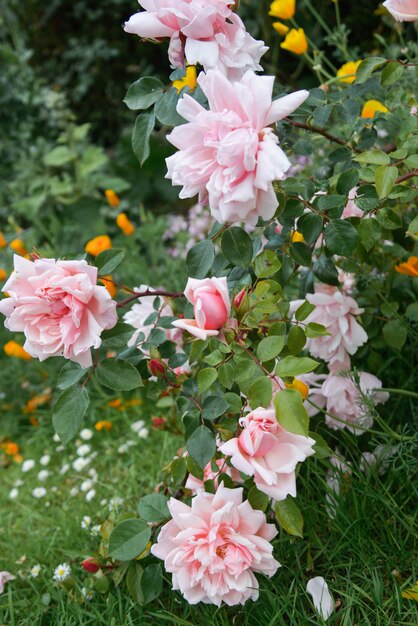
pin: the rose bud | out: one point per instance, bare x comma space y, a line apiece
156, 368
158, 422
91, 565
241, 303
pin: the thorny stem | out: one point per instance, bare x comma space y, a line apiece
322, 132
148, 292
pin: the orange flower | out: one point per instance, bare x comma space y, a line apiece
109, 284
18, 246
34, 421
33, 403
125, 224
283, 9
3, 274
281, 28
295, 41
410, 267
134, 402
371, 107
11, 448
12, 348
103, 425
112, 197
297, 237
189, 80
18, 458
98, 244
299, 386
3, 242
347, 72
115, 404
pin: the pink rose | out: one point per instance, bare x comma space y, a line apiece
4, 578
214, 547
337, 312
230, 155
265, 450
403, 10
212, 307
196, 485
59, 307
344, 401
208, 33
351, 209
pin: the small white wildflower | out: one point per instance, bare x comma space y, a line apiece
56, 438
64, 469
103, 502
83, 450
35, 571
95, 530
19, 483
92, 472
43, 475
62, 572
86, 434
13, 493
80, 463
143, 433
28, 465
54, 489
39, 492
59, 449
90, 495
45, 459
136, 426
93, 455
73, 491
86, 522
123, 449
86, 593
115, 503
86, 485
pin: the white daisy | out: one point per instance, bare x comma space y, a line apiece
43, 475
35, 571
62, 572
95, 530
83, 450
115, 503
86, 522
143, 433
80, 463
64, 469
86, 485
13, 493
45, 459
136, 426
86, 434
90, 495
39, 492
86, 593
28, 465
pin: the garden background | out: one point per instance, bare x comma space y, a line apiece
67, 171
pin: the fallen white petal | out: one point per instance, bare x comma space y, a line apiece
321, 596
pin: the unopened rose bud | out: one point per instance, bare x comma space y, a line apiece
158, 422
156, 368
91, 565
241, 303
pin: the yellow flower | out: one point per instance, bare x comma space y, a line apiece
299, 386
412, 593
18, 458
371, 107
125, 224
109, 284
189, 80
18, 246
347, 72
112, 197
295, 41
103, 425
3, 242
11, 448
115, 404
12, 348
98, 244
283, 9
3, 274
297, 237
410, 268
281, 28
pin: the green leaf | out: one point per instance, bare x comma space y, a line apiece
129, 539
226, 375
310, 225
143, 93
395, 334
304, 310
388, 219
270, 347
331, 201
321, 115
205, 378
59, 156
347, 180
119, 375
133, 581
151, 582
289, 516
70, 375
266, 264
200, 259
213, 407
301, 253
237, 246
201, 445
296, 339
294, 366
260, 392
312, 330
144, 125
153, 508
258, 499
413, 228
108, 260
367, 67
369, 232
321, 448
166, 109
290, 412
374, 157
340, 237
391, 73
385, 177
325, 270
68, 412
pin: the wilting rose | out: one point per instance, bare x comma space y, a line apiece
208, 33
214, 547
402, 10
59, 307
212, 307
265, 450
230, 155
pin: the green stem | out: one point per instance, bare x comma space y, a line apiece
402, 392
318, 17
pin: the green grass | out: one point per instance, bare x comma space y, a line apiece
365, 553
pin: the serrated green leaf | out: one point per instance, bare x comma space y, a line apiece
129, 539
290, 412
68, 412
117, 374
201, 445
294, 366
270, 347
143, 93
289, 516
385, 177
144, 125
237, 246
200, 258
